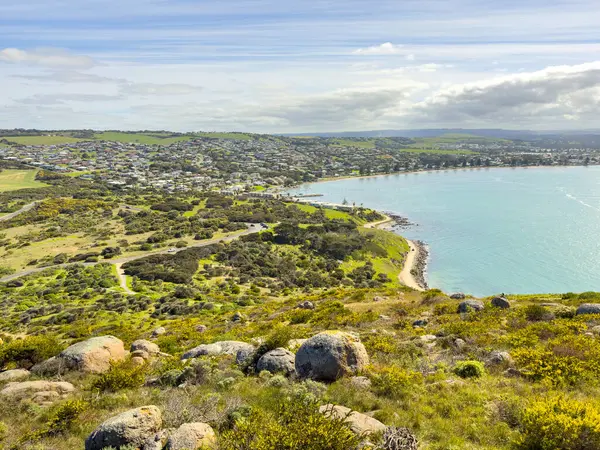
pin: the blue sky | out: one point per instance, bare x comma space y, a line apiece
273, 66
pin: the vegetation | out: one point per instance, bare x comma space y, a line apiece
11, 180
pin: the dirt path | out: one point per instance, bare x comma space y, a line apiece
379, 223
406, 277
123, 279
16, 213
252, 228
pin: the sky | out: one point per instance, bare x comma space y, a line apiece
274, 66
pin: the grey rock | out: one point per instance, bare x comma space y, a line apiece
237, 317
588, 308
140, 354
595, 330
306, 305
498, 358
458, 296
14, 375
362, 383
94, 355
470, 305
219, 348
459, 343
201, 328
40, 391
331, 355
420, 323
192, 436
428, 338
358, 423
500, 302
137, 427
159, 332
149, 347
279, 360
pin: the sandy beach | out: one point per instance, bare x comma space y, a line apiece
406, 277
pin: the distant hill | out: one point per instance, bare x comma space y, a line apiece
437, 132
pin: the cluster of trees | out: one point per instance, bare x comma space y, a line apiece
257, 211
178, 268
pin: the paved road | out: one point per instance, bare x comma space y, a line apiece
16, 213
252, 228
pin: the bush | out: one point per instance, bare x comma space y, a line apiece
293, 425
24, 353
469, 369
395, 382
536, 313
120, 376
62, 416
560, 423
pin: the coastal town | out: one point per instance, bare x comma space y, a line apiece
241, 163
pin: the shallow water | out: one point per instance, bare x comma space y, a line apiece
522, 230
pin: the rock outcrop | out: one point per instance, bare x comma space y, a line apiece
358, 423
14, 375
500, 302
93, 356
470, 305
331, 355
241, 350
192, 436
41, 391
143, 345
588, 308
137, 427
279, 360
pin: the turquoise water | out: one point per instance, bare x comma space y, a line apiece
522, 230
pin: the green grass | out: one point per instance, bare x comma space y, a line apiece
259, 188
140, 138
237, 136
41, 140
329, 213
12, 180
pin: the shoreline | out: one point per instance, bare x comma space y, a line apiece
415, 264
408, 172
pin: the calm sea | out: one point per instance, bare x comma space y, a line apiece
522, 230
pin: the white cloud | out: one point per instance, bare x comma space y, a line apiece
540, 99
47, 57
384, 49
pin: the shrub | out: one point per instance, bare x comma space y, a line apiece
536, 313
394, 382
293, 425
120, 376
61, 417
469, 369
25, 353
560, 423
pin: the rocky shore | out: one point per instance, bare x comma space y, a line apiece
419, 269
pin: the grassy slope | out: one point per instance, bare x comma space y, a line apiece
149, 138
42, 140
12, 180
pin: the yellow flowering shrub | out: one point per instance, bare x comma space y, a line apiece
559, 423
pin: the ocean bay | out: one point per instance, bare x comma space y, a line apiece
520, 230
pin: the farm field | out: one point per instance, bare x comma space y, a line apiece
42, 140
12, 180
140, 138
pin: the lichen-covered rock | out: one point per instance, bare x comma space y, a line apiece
470, 305
279, 360
192, 436
94, 356
158, 332
40, 391
137, 427
14, 375
149, 347
219, 348
306, 305
358, 423
498, 358
399, 439
500, 302
588, 308
331, 355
